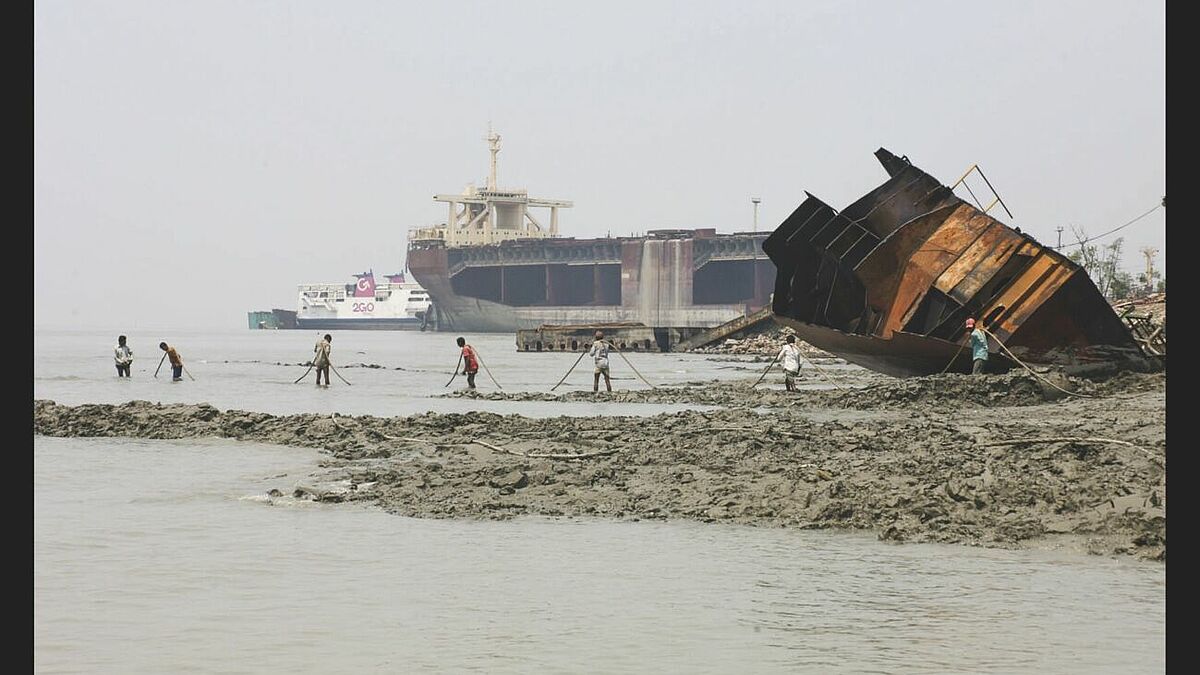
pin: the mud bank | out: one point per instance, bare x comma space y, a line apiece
905, 461
858, 390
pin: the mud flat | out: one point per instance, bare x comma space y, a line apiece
1003, 461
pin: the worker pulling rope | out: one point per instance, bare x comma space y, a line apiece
1026, 367
789, 379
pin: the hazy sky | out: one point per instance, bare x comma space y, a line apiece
197, 160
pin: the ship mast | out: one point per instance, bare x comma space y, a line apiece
493, 140
489, 216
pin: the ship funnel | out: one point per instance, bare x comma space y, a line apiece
365, 288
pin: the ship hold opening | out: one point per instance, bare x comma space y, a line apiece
728, 282
541, 285
478, 282
585, 284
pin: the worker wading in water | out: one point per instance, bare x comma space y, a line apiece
599, 354
321, 360
470, 361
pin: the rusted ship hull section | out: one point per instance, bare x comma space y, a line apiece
888, 282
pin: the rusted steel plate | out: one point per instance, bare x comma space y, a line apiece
905, 196
878, 271
1023, 288
1075, 324
986, 270
936, 260
977, 258
1036, 291
937, 253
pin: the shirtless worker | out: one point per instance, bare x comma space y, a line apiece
321, 360
599, 353
470, 361
176, 362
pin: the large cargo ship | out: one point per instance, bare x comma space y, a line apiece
493, 266
396, 304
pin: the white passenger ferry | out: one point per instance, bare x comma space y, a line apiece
396, 304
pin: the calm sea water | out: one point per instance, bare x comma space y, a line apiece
163, 556
236, 369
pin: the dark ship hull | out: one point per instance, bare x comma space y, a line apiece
675, 282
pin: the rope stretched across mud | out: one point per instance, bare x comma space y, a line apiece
918, 471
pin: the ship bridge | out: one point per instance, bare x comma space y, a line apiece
479, 217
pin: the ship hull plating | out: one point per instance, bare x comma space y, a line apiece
359, 324
688, 279
888, 282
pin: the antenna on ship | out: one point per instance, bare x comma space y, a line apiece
493, 140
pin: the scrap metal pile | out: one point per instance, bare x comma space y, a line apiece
888, 281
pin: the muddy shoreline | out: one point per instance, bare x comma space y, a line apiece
918, 459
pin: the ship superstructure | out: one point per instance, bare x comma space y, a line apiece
494, 266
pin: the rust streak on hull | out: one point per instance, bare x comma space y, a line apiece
888, 282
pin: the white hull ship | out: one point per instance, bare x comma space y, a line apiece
397, 304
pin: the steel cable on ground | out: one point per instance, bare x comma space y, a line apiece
1031, 370
456, 365
569, 370
335, 372
485, 368
631, 367
310, 367
764, 373
953, 358
823, 373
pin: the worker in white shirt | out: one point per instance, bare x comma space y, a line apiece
790, 355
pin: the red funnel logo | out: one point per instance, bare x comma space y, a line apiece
365, 288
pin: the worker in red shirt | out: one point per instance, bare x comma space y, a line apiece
470, 362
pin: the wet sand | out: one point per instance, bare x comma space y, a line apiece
1004, 461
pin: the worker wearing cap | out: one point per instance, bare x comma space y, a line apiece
979, 348
599, 354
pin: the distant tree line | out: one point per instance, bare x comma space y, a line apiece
1102, 263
